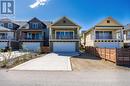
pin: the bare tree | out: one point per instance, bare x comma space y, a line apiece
6, 56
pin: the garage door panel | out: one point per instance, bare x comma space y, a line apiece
3, 45
107, 45
31, 46
64, 46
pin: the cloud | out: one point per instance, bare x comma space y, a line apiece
38, 3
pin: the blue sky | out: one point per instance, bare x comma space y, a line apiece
86, 13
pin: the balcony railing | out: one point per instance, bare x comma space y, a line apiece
31, 39
7, 39
108, 40
128, 37
74, 38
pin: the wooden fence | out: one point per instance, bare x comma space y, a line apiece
118, 56
123, 56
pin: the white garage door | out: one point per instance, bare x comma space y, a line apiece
64, 47
31, 46
108, 45
3, 45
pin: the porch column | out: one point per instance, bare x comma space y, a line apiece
122, 34
78, 34
94, 34
50, 32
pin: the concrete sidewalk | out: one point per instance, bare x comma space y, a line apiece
50, 61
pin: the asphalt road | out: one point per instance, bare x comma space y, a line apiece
46, 78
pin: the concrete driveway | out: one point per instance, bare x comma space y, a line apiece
50, 61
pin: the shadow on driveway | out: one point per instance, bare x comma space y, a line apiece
86, 56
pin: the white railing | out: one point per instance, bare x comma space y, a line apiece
7, 39
74, 38
108, 40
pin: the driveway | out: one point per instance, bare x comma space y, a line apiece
50, 61
88, 62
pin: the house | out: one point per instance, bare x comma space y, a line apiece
33, 34
8, 33
64, 36
106, 34
127, 36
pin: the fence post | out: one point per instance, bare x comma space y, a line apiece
109, 53
105, 54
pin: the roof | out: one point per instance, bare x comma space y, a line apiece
67, 19
112, 23
3, 28
89, 30
24, 23
127, 27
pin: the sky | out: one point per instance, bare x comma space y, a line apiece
86, 13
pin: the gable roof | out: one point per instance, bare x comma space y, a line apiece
35, 20
112, 22
103, 23
5, 20
64, 21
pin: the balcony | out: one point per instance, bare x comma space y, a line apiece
64, 39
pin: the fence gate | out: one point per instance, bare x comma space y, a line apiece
123, 57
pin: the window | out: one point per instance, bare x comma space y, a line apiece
129, 33
38, 36
118, 35
33, 36
103, 35
64, 21
3, 35
35, 25
10, 25
64, 35
2, 24
108, 21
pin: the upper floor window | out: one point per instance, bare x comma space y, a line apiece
103, 35
3, 35
10, 25
108, 21
128, 33
34, 25
64, 35
118, 35
2, 24
64, 21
